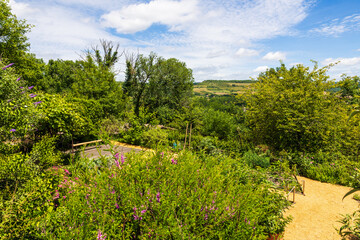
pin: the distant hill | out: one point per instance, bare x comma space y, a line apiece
221, 87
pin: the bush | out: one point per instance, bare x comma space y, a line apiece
255, 160
157, 195
218, 124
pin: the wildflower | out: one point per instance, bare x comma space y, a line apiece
122, 159
67, 172
158, 197
64, 197
36, 103
12, 130
173, 161
30, 87
101, 236
21, 87
311, 162
117, 206
18, 79
7, 66
116, 156
143, 211
32, 95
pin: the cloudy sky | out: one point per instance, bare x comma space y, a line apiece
218, 39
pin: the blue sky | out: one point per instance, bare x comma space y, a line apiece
232, 39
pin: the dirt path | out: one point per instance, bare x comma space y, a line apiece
93, 151
315, 215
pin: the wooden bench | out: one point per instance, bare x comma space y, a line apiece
84, 143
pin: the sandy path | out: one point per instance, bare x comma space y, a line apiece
315, 215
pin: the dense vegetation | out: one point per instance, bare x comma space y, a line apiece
223, 184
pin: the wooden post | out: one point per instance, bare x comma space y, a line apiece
294, 195
187, 125
190, 135
303, 190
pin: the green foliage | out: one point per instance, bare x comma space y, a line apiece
14, 42
256, 160
351, 226
147, 196
60, 116
219, 124
154, 138
349, 86
17, 106
154, 82
291, 109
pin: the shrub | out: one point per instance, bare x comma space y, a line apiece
162, 196
254, 160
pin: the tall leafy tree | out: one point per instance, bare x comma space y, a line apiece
292, 109
13, 41
14, 45
154, 82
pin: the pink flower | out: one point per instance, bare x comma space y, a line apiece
101, 236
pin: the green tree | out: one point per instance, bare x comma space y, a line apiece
13, 41
154, 82
14, 45
292, 109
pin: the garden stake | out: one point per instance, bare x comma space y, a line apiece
190, 135
187, 124
294, 195
303, 190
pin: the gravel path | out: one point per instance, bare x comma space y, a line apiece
93, 151
315, 215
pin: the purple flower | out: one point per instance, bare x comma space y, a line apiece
122, 159
12, 130
116, 156
158, 197
30, 87
36, 103
66, 171
21, 87
117, 206
143, 211
18, 79
7, 66
32, 95
173, 161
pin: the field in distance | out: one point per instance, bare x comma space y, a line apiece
221, 87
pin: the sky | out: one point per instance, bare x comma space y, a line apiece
217, 39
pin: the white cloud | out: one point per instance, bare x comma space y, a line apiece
60, 32
199, 32
245, 52
355, 61
139, 17
261, 69
271, 56
348, 66
338, 26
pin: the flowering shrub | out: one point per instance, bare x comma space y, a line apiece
17, 105
162, 196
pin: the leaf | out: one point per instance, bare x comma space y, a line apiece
350, 192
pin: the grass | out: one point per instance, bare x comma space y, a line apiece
221, 87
